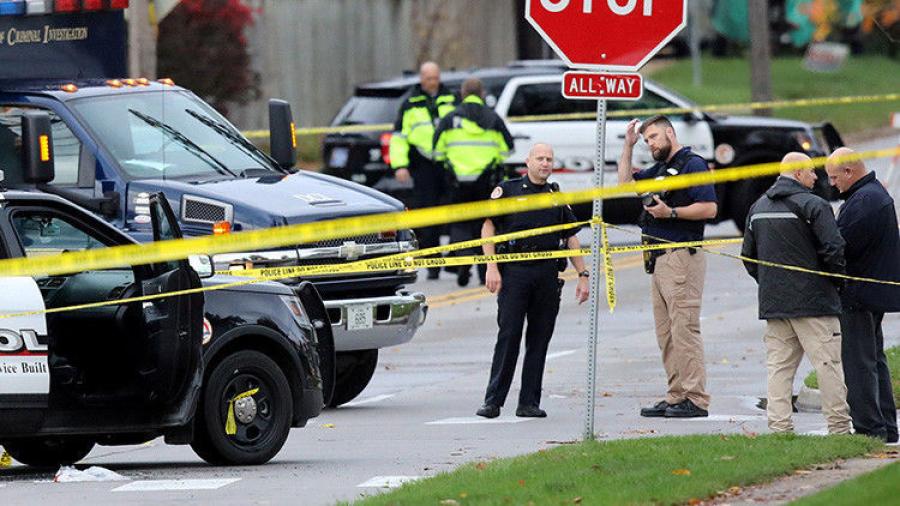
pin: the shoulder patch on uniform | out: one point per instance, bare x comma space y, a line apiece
497, 193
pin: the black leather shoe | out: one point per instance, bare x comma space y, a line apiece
462, 277
530, 412
656, 410
685, 409
434, 273
489, 411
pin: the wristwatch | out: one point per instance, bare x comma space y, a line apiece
673, 214
584, 274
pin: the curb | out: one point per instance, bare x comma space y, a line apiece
809, 400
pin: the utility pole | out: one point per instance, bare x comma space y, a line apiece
760, 54
141, 40
694, 27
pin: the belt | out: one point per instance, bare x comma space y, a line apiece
693, 251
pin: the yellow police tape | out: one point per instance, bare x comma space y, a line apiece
668, 245
292, 235
610, 274
230, 425
773, 104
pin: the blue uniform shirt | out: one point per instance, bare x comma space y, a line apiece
666, 228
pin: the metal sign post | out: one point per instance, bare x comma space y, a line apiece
599, 165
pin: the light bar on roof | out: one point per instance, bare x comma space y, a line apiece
34, 7
12, 7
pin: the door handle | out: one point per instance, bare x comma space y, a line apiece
620, 136
521, 137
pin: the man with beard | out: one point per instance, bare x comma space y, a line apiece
677, 273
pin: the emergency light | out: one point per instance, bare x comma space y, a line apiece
37, 7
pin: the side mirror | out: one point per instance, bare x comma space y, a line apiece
37, 148
690, 118
203, 265
282, 134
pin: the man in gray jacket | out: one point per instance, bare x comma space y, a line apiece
790, 225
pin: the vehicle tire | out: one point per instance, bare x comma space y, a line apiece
49, 452
262, 427
353, 373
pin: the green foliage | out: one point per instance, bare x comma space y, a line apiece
877, 487
661, 470
728, 81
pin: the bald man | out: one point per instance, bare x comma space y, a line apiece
791, 225
868, 223
411, 148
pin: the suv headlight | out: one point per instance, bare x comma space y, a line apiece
804, 140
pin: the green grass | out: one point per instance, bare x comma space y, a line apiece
661, 470
877, 487
728, 81
893, 360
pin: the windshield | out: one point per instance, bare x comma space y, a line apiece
169, 134
368, 110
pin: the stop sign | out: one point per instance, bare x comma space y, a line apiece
607, 34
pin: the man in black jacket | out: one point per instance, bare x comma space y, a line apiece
868, 223
790, 225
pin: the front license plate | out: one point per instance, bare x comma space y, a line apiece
359, 317
339, 157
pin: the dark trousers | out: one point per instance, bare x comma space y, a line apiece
479, 189
528, 291
866, 373
429, 190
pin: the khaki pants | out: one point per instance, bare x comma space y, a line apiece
786, 341
677, 288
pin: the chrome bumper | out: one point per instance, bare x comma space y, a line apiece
394, 320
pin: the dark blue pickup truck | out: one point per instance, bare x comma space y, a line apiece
117, 140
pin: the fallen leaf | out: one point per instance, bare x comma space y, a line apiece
463, 495
802, 472
735, 490
727, 457
481, 466
449, 502
681, 472
693, 501
328, 425
521, 483
577, 500
606, 394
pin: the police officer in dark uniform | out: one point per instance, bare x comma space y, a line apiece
528, 289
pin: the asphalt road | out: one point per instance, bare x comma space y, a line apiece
416, 419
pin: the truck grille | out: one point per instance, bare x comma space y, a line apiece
361, 239
200, 210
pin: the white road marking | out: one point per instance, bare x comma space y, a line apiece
163, 485
726, 418
559, 354
463, 420
387, 481
370, 400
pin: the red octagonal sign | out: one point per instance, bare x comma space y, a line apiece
608, 34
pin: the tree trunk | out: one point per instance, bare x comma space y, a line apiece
141, 41
760, 54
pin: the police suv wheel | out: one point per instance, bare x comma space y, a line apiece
49, 452
245, 414
353, 371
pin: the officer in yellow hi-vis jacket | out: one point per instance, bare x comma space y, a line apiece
472, 141
411, 147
